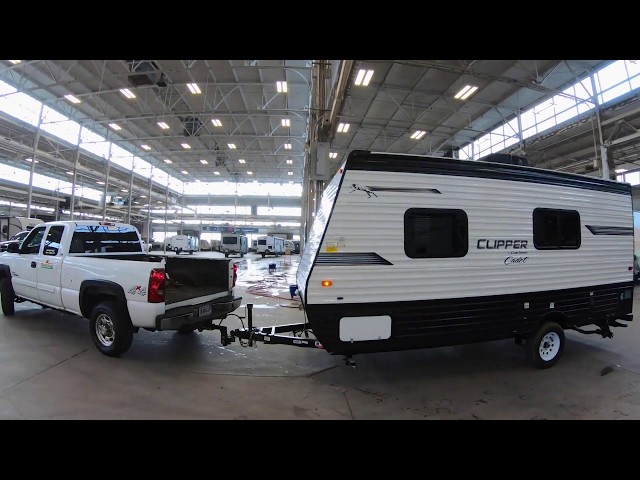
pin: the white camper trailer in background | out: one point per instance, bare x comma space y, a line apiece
410, 252
182, 244
233, 244
9, 226
269, 245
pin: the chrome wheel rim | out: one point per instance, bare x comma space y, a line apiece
105, 330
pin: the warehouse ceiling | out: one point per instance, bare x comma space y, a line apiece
272, 130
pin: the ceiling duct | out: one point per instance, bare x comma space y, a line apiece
145, 72
192, 125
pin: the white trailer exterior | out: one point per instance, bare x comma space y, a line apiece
412, 252
233, 244
270, 245
9, 226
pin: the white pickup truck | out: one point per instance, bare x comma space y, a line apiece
99, 270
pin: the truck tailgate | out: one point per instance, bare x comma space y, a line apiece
196, 277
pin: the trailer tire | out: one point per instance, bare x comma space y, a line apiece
7, 296
111, 329
545, 346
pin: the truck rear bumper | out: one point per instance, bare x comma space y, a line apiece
199, 314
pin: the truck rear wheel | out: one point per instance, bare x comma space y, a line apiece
545, 347
111, 330
6, 296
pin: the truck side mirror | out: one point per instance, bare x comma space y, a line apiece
13, 248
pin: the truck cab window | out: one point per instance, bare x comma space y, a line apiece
32, 243
52, 242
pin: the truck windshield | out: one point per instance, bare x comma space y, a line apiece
105, 239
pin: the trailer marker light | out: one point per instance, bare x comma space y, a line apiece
327, 283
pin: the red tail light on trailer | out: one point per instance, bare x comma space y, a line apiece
156, 285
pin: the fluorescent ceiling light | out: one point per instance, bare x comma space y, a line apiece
621, 170
289, 162
363, 78
216, 122
100, 182
232, 145
418, 134
184, 172
249, 172
282, 87
166, 160
30, 160
72, 99
289, 173
465, 92
203, 161
343, 127
69, 173
15, 62
143, 196
146, 147
194, 88
216, 173
287, 146
124, 190
286, 122
127, 93
333, 155
163, 125
186, 146
241, 160
197, 180
115, 126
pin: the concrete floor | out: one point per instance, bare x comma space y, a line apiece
50, 369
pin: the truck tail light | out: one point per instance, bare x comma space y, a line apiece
235, 273
156, 285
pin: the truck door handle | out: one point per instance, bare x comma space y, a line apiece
33, 264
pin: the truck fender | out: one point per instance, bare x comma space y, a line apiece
93, 292
5, 271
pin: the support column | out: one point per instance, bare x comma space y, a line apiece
33, 162
106, 185
75, 173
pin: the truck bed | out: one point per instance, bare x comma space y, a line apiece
191, 277
187, 277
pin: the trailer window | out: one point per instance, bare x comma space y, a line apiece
435, 233
556, 229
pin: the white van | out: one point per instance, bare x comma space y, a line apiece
182, 243
233, 244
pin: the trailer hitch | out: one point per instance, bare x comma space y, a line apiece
273, 334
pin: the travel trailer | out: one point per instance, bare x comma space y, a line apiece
9, 226
270, 245
410, 252
182, 244
233, 244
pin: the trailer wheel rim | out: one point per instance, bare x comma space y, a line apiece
549, 346
105, 330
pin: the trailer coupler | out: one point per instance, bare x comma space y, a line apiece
272, 334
